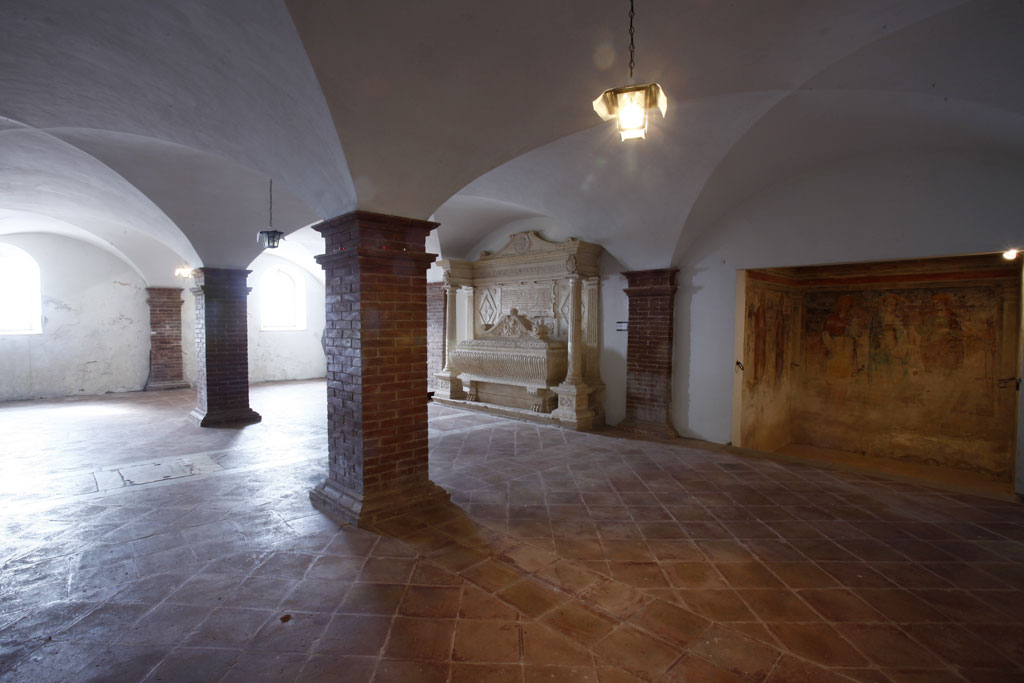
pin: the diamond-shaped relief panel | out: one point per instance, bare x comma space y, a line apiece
564, 311
488, 309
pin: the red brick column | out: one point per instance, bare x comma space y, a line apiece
222, 348
649, 352
166, 370
435, 331
376, 367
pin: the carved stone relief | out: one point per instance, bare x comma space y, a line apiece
523, 315
533, 299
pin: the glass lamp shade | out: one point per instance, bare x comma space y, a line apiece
629, 105
269, 238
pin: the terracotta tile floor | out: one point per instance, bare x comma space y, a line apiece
563, 557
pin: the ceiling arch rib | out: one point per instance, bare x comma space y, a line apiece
301, 248
820, 123
466, 218
412, 142
627, 198
217, 204
45, 177
229, 77
18, 222
930, 86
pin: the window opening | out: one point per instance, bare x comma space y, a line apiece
21, 303
282, 301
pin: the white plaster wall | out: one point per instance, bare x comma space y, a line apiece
95, 336
614, 307
885, 207
285, 354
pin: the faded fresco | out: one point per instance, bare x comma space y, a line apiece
769, 327
910, 374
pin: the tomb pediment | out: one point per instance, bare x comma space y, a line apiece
527, 256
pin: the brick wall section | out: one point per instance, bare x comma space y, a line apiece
435, 331
649, 352
222, 348
166, 370
376, 345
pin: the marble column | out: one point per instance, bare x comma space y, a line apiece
166, 367
448, 383
376, 351
574, 374
222, 348
574, 409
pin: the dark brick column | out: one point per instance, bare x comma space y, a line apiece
649, 353
435, 331
166, 370
376, 368
222, 348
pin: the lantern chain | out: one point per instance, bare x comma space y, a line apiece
271, 203
632, 47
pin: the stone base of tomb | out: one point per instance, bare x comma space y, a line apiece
585, 419
577, 406
448, 386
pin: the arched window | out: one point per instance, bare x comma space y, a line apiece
21, 301
282, 301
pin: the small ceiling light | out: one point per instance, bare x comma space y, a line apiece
183, 272
630, 103
270, 239
1010, 254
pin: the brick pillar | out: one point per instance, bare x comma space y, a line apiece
222, 348
649, 353
376, 368
435, 331
166, 370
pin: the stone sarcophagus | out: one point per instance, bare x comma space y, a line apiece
515, 352
522, 332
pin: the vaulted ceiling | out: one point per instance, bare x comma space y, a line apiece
152, 128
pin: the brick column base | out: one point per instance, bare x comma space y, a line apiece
166, 369
649, 353
222, 348
376, 368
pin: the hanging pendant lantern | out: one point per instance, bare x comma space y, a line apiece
269, 239
630, 104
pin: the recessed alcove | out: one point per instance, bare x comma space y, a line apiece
905, 367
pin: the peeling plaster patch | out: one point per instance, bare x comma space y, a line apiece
95, 334
57, 304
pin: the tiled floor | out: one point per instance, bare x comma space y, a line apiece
564, 557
